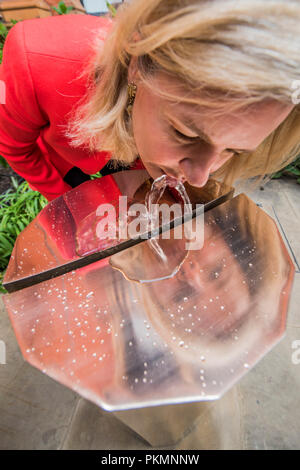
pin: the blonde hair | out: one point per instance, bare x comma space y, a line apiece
227, 54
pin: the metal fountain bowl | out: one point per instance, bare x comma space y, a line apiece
124, 344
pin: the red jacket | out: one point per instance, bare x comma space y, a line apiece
42, 63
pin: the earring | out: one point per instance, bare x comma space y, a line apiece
131, 91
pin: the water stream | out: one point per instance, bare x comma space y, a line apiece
152, 199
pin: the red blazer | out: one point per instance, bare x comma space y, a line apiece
42, 63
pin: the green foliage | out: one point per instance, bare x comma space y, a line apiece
111, 8
3, 162
18, 207
3, 30
3, 34
293, 169
2, 290
62, 9
96, 175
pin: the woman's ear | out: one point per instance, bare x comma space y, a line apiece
133, 70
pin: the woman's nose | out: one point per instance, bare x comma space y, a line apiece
197, 170
191, 273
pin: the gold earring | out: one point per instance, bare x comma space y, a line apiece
131, 91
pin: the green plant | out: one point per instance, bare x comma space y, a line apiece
2, 290
18, 207
62, 9
111, 8
3, 162
3, 34
293, 169
96, 175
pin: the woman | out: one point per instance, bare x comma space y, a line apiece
192, 87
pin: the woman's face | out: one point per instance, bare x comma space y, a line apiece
182, 140
208, 296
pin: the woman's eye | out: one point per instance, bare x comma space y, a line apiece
215, 273
235, 152
183, 137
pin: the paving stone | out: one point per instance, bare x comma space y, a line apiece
269, 399
294, 304
35, 411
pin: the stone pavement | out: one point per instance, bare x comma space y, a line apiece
261, 412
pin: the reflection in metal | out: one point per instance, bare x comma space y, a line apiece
124, 344
58, 240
